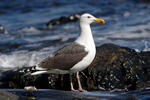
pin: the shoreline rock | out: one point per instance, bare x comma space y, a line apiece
113, 68
119, 68
9, 96
64, 19
2, 30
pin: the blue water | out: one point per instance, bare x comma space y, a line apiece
48, 94
27, 40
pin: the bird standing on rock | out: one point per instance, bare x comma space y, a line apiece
74, 57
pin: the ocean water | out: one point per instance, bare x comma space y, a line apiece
48, 94
27, 40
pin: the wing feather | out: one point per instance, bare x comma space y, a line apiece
65, 58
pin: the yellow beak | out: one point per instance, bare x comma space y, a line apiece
99, 20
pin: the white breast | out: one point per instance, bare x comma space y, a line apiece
85, 39
87, 60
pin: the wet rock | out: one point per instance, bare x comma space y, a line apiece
64, 19
146, 1
2, 12
8, 96
2, 29
114, 67
145, 56
118, 68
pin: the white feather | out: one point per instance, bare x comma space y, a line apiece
85, 39
38, 72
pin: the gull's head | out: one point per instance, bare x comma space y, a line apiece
88, 19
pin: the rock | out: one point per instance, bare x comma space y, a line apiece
2, 29
64, 20
118, 68
145, 56
8, 96
146, 1
114, 67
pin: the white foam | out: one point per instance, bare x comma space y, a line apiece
15, 60
29, 30
147, 47
20, 59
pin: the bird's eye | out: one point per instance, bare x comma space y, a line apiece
89, 16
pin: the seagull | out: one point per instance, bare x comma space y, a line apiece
74, 57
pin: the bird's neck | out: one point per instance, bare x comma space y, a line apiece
85, 37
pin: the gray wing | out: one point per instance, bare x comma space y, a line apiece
65, 58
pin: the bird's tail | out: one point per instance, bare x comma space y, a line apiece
32, 70
27, 70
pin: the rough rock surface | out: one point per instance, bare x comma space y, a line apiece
8, 96
2, 31
119, 68
114, 67
64, 19
145, 1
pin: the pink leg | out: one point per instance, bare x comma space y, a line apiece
79, 83
71, 84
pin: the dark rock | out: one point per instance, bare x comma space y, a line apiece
114, 67
118, 68
146, 1
145, 56
8, 96
2, 29
2, 12
64, 20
